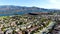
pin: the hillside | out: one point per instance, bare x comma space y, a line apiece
9, 10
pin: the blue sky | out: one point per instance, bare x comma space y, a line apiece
54, 4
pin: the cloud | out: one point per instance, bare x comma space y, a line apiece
53, 4
54, 1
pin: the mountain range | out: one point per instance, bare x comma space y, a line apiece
11, 10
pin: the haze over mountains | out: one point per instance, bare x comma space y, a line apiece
9, 10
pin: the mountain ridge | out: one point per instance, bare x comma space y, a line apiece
10, 9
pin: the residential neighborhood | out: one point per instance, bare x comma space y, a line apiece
27, 24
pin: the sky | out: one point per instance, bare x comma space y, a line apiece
51, 4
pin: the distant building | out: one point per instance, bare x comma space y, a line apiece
8, 31
1, 32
